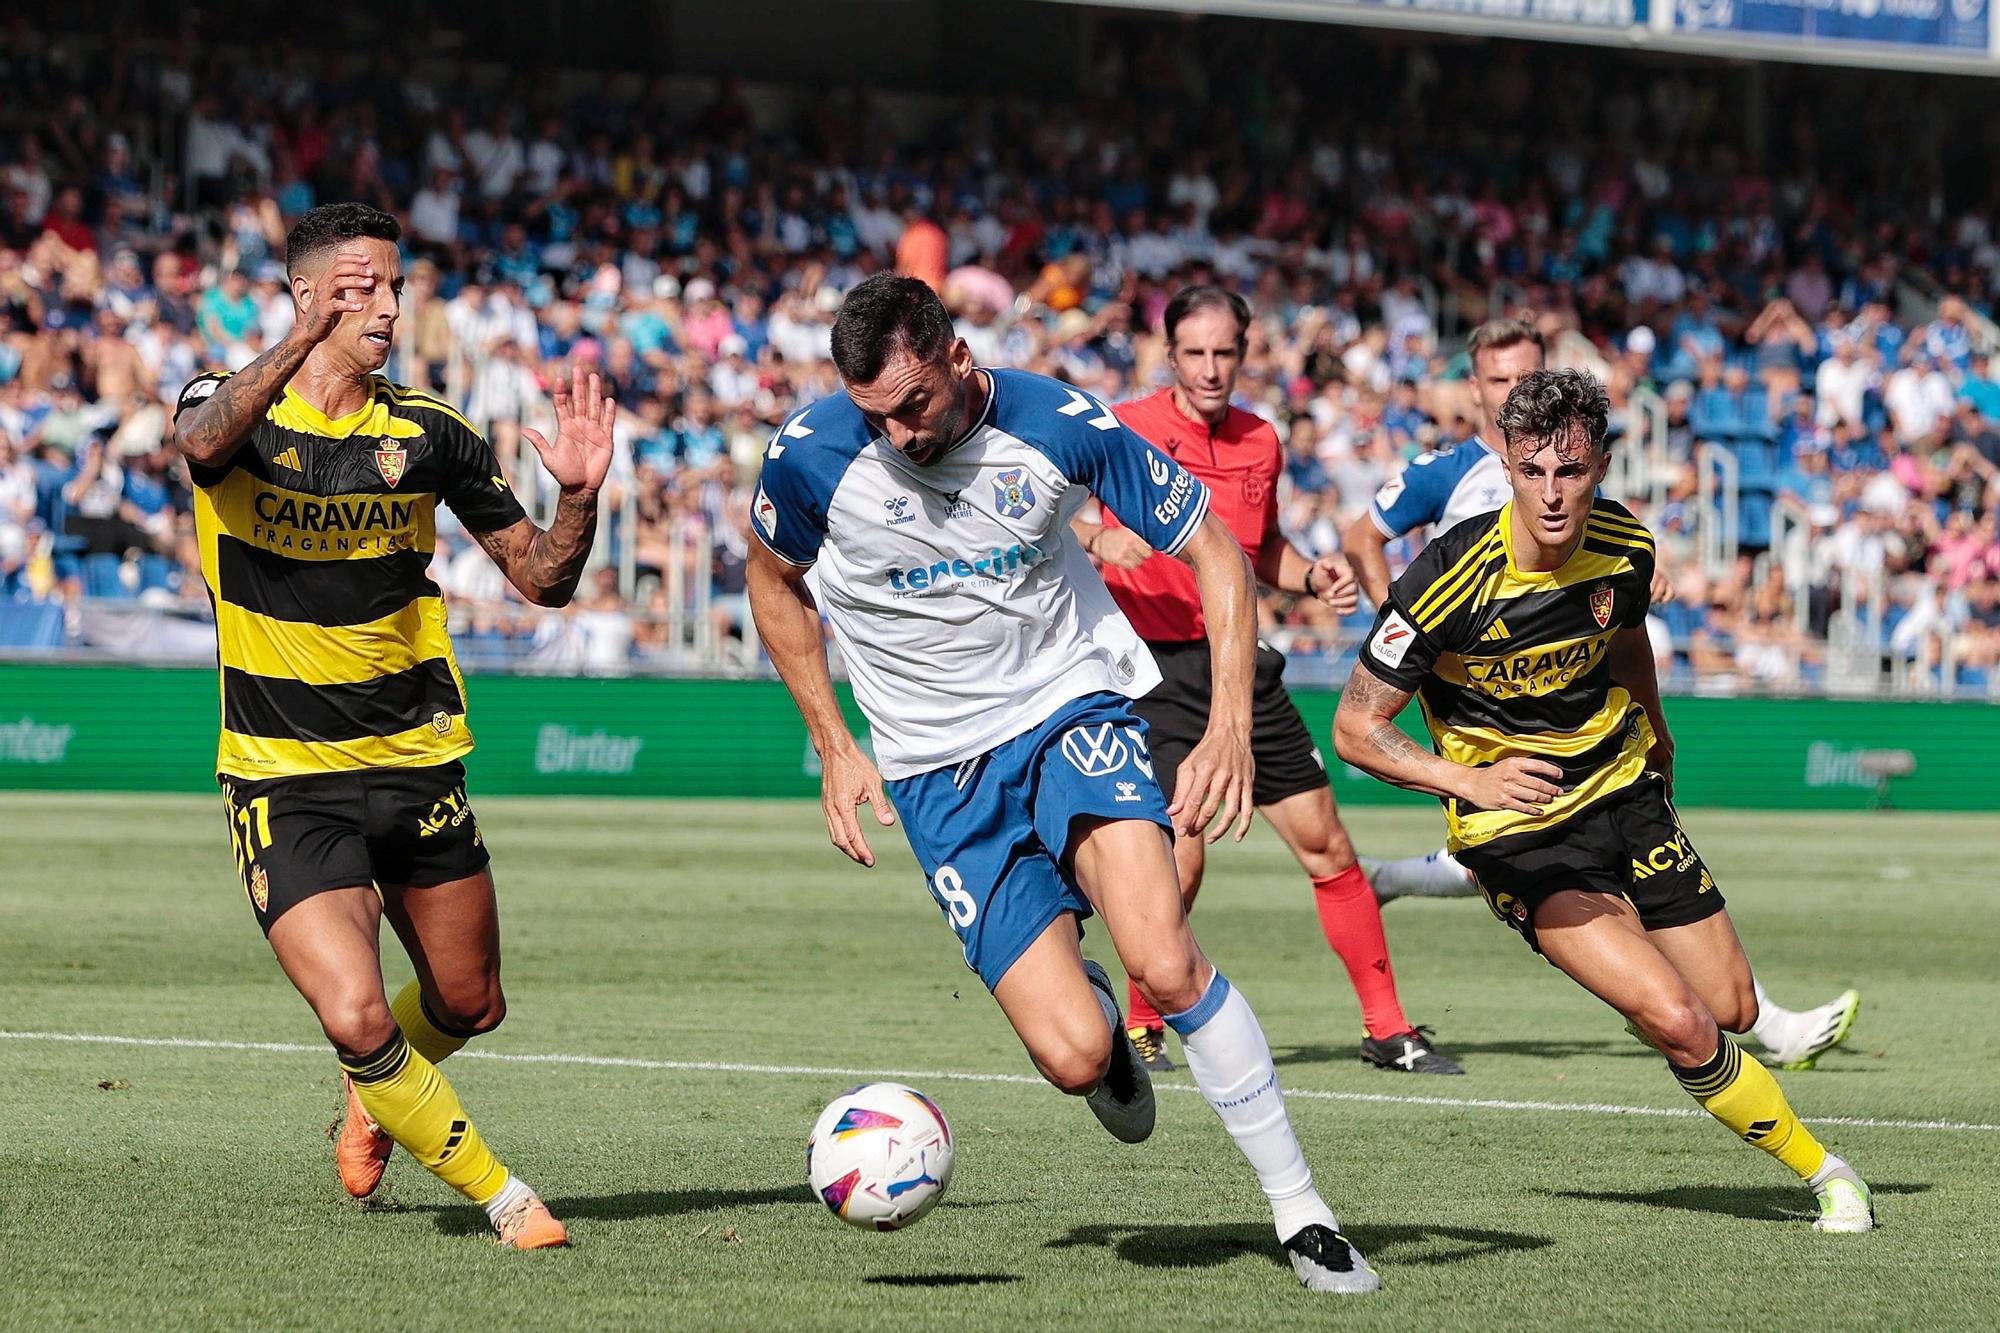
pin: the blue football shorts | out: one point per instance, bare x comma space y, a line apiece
993, 833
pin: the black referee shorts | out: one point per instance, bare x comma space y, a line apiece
1176, 714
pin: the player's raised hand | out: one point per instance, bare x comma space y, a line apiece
1121, 547
1516, 783
1213, 788
346, 289
581, 454
1333, 583
848, 780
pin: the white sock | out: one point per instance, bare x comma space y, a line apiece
1433, 876
1775, 1023
510, 1194
1231, 1063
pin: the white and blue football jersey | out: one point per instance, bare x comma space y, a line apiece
1441, 490
966, 610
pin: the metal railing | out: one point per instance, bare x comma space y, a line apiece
1791, 548
1639, 466
1716, 518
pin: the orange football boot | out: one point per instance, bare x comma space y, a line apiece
361, 1151
529, 1225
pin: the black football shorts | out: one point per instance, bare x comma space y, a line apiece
298, 836
1630, 843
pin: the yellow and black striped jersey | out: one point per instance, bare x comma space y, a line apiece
1506, 661
315, 538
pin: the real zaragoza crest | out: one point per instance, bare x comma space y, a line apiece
389, 462
1600, 605
1013, 494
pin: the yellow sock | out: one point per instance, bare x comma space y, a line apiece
1743, 1095
408, 1097
426, 1036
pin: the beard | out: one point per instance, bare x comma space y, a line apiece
950, 428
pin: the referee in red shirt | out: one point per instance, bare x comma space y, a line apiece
1238, 456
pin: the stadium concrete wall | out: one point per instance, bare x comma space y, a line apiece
98, 728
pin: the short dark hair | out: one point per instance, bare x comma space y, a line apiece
322, 228
1205, 296
1549, 404
1495, 334
885, 314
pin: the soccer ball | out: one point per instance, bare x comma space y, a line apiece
880, 1156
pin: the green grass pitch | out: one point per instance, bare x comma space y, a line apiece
193, 1186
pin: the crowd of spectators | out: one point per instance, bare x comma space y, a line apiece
697, 261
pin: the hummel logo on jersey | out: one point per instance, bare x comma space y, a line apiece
899, 510
795, 429
1095, 751
289, 458
1495, 634
1128, 791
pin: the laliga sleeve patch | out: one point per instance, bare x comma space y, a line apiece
767, 514
1391, 640
197, 391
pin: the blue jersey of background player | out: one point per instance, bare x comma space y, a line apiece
1440, 490
926, 514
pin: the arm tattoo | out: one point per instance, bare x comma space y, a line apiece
546, 565
1369, 691
1394, 743
223, 420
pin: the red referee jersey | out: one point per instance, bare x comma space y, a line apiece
1239, 461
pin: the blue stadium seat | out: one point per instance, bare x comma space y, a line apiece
30, 625
1753, 518
1756, 463
1713, 415
157, 571
100, 576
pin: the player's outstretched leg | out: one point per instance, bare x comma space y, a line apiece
1351, 919
1125, 867
1065, 1011
1597, 938
1797, 1038
1438, 875
452, 933
326, 945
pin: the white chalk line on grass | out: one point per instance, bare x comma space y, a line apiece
956, 1076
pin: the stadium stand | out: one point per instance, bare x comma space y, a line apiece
1799, 361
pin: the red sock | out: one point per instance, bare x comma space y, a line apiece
1352, 920
1139, 1011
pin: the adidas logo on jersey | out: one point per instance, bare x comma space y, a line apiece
289, 458
1496, 633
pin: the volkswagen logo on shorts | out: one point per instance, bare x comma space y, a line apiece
1095, 751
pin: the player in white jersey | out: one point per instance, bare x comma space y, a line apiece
925, 514
1435, 493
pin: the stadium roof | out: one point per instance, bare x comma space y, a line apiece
1954, 36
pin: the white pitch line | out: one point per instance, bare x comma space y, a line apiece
956, 1076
